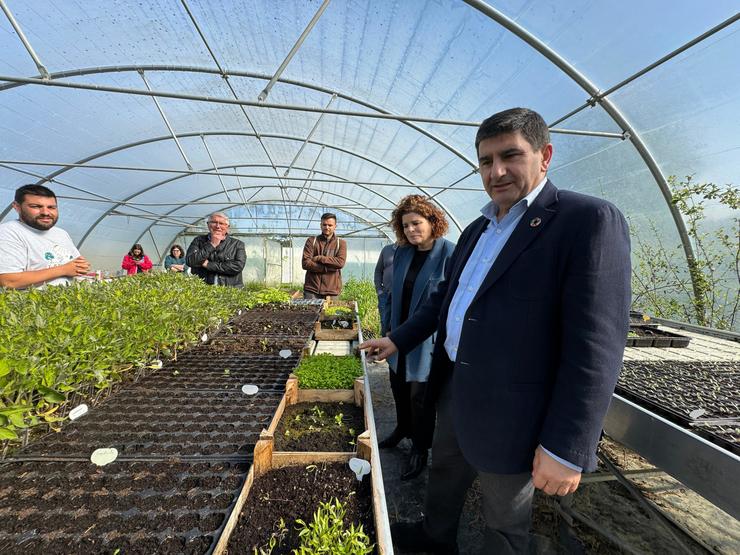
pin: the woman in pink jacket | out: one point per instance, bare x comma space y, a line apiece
136, 261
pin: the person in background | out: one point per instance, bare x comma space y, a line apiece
217, 258
530, 319
323, 259
382, 278
175, 261
136, 262
418, 266
32, 250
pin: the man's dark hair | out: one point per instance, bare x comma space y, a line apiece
328, 216
531, 125
38, 190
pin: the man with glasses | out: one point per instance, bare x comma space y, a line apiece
217, 258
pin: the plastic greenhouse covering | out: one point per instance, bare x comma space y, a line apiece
144, 117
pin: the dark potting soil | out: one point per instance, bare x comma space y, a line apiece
294, 493
319, 427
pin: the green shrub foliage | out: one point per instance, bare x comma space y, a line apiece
61, 340
363, 291
326, 371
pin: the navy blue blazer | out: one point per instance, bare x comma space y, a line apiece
419, 360
542, 341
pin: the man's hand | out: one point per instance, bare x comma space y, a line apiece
378, 349
551, 476
77, 267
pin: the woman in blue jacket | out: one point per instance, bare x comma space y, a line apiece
418, 266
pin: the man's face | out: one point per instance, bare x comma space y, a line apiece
328, 226
218, 226
38, 212
511, 168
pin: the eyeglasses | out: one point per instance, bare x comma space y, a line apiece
215, 224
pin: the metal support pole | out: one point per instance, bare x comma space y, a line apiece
210, 156
21, 35
166, 122
266, 91
594, 99
308, 137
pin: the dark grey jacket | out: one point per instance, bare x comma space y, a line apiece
225, 262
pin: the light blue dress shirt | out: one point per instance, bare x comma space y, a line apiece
489, 246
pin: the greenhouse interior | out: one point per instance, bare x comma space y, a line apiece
335, 167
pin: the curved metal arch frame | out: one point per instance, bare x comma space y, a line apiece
184, 175
227, 206
614, 113
120, 148
249, 75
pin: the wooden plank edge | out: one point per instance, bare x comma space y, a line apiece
223, 540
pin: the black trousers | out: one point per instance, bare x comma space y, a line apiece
413, 418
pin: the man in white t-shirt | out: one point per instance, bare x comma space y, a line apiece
32, 250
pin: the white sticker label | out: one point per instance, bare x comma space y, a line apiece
250, 389
156, 364
360, 467
104, 456
694, 414
285, 353
78, 411
204, 337
239, 313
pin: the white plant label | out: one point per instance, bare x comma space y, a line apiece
250, 389
285, 353
239, 313
156, 364
360, 467
79, 410
694, 414
104, 456
204, 337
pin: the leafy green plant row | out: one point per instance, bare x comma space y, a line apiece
363, 291
326, 371
326, 533
61, 340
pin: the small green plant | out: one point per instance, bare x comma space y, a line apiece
342, 311
276, 539
327, 534
326, 371
339, 419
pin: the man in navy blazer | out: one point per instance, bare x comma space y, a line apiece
531, 321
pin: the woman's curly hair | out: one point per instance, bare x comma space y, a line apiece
424, 207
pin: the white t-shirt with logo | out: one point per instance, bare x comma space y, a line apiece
23, 248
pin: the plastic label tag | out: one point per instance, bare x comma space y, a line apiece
250, 389
694, 414
285, 353
104, 456
79, 410
204, 337
360, 467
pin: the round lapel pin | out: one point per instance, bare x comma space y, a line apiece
534, 222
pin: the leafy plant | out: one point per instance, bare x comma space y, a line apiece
338, 311
707, 293
363, 291
59, 341
326, 533
326, 371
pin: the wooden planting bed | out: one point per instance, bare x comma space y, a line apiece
327, 326
266, 458
185, 435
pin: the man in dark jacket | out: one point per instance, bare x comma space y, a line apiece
530, 319
323, 260
217, 258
